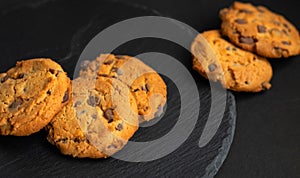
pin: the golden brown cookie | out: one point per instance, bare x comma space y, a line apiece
98, 122
259, 30
147, 87
31, 94
236, 69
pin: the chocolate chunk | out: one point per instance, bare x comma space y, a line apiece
200, 50
66, 97
247, 40
52, 71
112, 146
77, 104
4, 79
212, 67
109, 115
93, 101
15, 104
247, 11
240, 21
119, 127
261, 29
20, 76
108, 62
286, 42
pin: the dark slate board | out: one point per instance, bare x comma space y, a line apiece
60, 30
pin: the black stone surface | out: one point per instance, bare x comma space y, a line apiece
60, 29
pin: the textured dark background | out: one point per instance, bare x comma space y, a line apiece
267, 137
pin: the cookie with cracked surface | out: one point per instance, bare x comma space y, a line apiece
259, 30
236, 69
98, 122
145, 84
31, 94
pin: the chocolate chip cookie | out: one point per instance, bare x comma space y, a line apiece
99, 120
147, 87
259, 30
236, 69
31, 94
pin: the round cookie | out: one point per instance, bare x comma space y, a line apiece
98, 121
147, 87
236, 69
259, 30
31, 94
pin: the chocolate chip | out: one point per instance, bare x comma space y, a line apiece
77, 104
286, 42
15, 104
93, 101
77, 140
52, 71
4, 78
247, 40
108, 62
276, 22
109, 115
240, 21
119, 127
147, 86
261, 29
159, 111
285, 32
58, 72
112, 146
223, 12
260, 9
120, 57
20, 76
286, 26
247, 11
103, 75
84, 64
212, 67
66, 97
49, 92
118, 71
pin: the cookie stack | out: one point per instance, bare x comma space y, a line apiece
92, 116
247, 37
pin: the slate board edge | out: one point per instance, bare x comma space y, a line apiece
216, 164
